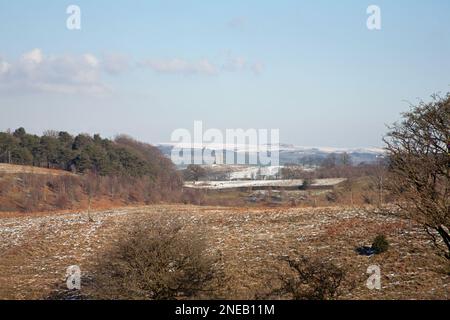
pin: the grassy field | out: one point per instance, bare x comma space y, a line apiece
36, 249
18, 169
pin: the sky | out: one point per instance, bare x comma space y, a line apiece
311, 69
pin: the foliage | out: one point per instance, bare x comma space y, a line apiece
83, 153
380, 244
307, 183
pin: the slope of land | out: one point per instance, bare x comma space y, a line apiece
35, 251
19, 169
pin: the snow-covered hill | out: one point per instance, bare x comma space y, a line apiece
287, 153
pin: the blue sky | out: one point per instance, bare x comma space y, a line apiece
310, 68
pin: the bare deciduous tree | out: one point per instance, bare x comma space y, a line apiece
418, 149
194, 172
293, 172
378, 179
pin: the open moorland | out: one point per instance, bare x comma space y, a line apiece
36, 249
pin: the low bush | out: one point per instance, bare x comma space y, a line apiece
380, 244
309, 279
157, 261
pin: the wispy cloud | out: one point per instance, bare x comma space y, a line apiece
238, 23
4, 67
235, 64
181, 66
240, 64
257, 67
36, 72
115, 63
206, 67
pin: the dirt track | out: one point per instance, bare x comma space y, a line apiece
36, 250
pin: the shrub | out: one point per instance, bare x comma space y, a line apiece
62, 201
307, 183
332, 196
380, 244
5, 184
156, 261
192, 196
310, 279
367, 198
194, 172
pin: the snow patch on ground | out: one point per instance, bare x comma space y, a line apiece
218, 185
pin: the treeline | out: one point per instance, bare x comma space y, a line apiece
83, 153
336, 166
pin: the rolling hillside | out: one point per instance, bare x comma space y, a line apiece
18, 169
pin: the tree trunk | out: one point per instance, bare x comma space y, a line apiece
446, 237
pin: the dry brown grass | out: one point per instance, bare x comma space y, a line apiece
36, 250
18, 169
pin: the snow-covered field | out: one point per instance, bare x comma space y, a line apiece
35, 250
218, 185
247, 172
253, 172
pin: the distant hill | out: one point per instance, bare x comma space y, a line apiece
290, 154
60, 171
